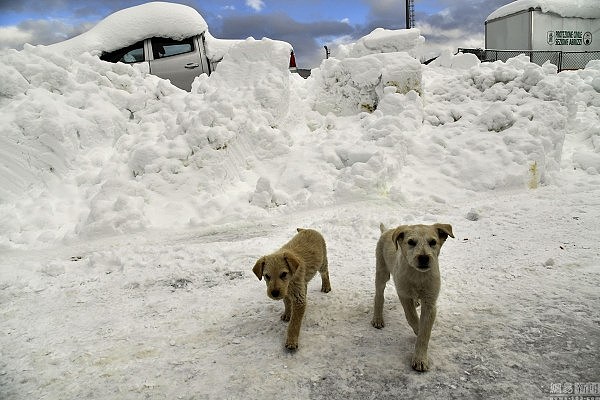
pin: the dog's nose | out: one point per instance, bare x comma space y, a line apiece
275, 293
423, 261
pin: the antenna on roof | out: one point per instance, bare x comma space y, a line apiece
410, 14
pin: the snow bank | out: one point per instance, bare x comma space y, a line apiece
127, 142
130, 25
586, 85
91, 148
255, 73
53, 107
456, 61
564, 8
513, 137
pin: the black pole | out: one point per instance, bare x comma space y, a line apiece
407, 15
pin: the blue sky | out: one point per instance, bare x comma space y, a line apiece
306, 24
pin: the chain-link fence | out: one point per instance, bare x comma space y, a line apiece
578, 60
562, 59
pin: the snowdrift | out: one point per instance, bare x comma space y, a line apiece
93, 148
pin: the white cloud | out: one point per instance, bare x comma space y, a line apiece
40, 31
11, 37
345, 21
257, 5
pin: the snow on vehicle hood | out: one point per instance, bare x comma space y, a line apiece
130, 25
564, 8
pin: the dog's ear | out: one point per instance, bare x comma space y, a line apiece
291, 261
398, 235
258, 268
444, 230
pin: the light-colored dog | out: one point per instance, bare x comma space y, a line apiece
410, 254
287, 273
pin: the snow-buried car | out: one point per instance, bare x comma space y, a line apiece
166, 39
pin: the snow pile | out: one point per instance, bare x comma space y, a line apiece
59, 117
564, 8
356, 78
92, 98
514, 135
130, 25
351, 85
131, 152
125, 140
254, 73
585, 85
459, 61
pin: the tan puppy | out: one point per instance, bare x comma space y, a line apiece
287, 273
416, 276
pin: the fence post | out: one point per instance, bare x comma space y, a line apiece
560, 61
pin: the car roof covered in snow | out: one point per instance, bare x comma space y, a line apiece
564, 8
130, 25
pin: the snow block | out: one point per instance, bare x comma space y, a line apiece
354, 85
382, 41
254, 73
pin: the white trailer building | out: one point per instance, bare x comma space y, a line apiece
553, 25
564, 32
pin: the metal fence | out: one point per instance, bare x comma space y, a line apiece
562, 59
578, 60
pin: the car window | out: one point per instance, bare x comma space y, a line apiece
129, 54
163, 47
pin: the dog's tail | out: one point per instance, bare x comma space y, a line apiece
382, 227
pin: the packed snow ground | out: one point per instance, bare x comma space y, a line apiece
131, 214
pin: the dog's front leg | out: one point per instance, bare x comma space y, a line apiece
287, 310
382, 276
298, 308
410, 312
419, 360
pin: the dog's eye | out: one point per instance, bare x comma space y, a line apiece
283, 275
267, 278
412, 242
432, 242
